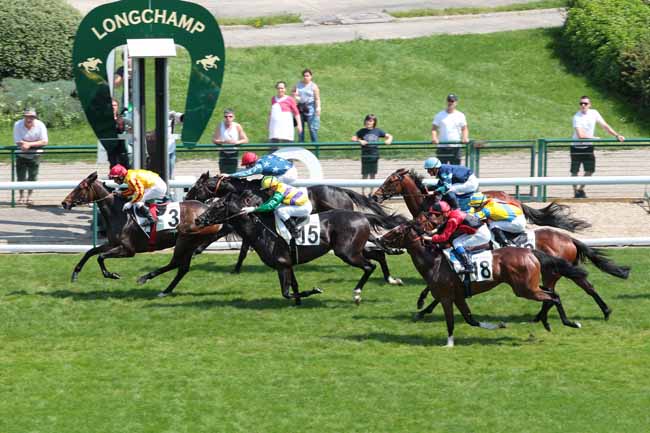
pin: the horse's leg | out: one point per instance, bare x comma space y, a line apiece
91, 252
448, 307
380, 257
420, 314
461, 303
589, 289
549, 280
560, 309
306, 293
422, 297
243, 252
284, 275
117, 252
359, 261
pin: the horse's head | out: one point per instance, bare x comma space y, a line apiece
227, 208
84, 193
205, 188
397, 237
391, 187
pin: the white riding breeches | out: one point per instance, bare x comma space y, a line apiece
285, 211
518, 225
471, 185
482, 236
157, 191
289, 176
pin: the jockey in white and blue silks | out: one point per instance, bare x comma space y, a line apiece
455, 182
268, 165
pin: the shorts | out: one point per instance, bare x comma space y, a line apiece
585, 157
449, 155
369, 164
228, 163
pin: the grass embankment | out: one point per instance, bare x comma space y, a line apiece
511, 85
543, 4
229, 354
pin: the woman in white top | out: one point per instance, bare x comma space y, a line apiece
284, 112
228, 133
307, 96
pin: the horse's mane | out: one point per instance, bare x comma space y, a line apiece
417, 179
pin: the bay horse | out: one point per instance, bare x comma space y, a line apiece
552, 242
343, 231
322, 197
125, 237
408, 183
520, 268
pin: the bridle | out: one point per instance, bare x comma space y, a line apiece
91, 188
395, 178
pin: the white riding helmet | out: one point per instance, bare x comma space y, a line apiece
432, 163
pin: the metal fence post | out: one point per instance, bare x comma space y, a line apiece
541, 167
13, 176
93, 225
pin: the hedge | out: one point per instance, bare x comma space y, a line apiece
36, 38
609, 41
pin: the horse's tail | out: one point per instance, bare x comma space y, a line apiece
559, 266
554, 215
364, 202
599, 258
385, 221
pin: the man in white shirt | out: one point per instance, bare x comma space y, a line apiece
582, 153
30, 135
449, 127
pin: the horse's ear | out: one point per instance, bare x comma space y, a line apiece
204, 175
92, 177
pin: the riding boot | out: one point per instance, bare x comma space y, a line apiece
147, 214
468, 266
290, 223
500, 237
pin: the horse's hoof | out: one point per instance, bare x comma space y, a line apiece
450, 342
547, 326
395, 281
417, 316
577, 325
501, 325
142, 280
235, 271
75, 277
112, 276
607, 313
317, 290
163, 295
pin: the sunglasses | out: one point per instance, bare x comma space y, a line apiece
228, 115
584, 103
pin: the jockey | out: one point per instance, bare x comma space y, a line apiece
285, 201
461, 230
268, 165
143, 185
453, 180
500, 215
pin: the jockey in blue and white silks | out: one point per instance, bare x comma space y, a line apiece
457, 182
268, 165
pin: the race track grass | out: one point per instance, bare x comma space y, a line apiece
228, 354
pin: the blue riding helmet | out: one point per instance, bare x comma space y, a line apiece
432, 163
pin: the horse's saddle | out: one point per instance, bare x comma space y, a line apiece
482, 260
167, 216
523, 240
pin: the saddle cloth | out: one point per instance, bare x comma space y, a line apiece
168, 216
522, 240
309, 230
482, 264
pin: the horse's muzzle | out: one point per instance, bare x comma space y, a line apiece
377, 198
66, 205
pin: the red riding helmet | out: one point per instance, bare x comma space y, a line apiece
440, 208
248, 158
117, 170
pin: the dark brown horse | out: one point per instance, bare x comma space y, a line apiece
547, 240
344, 232
126, 237
322, 197
520, 268
409, 185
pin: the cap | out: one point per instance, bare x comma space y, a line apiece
452, 97
30, 112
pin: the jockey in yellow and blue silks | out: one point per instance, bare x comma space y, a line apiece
455, 182
143, 185
501, 216
286, 201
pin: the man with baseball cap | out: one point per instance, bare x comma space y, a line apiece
448, 131
30, 135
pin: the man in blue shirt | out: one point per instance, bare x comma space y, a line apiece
455, 182
268, 165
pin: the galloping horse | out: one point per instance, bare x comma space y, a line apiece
126, 238
520, 268
551, 242
409, 184
343, 231
322, 197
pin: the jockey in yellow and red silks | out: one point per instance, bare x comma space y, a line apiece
143, 186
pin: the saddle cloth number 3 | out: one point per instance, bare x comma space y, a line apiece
171, 218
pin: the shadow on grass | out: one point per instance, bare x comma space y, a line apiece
421, 340
260, 304
634, 296
94, 295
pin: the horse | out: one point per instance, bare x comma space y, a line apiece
322, 197
126, 237
547, 240
343, 231
520, 268
409, 184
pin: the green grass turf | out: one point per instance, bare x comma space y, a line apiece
542, 4
228, 354
511, 86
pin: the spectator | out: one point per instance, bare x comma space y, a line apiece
584, 126
283, 116
30, 135
174, 119
307, 96
368, 138
229, 132
116, 149
449, 126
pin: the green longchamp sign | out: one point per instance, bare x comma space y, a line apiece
109, 26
